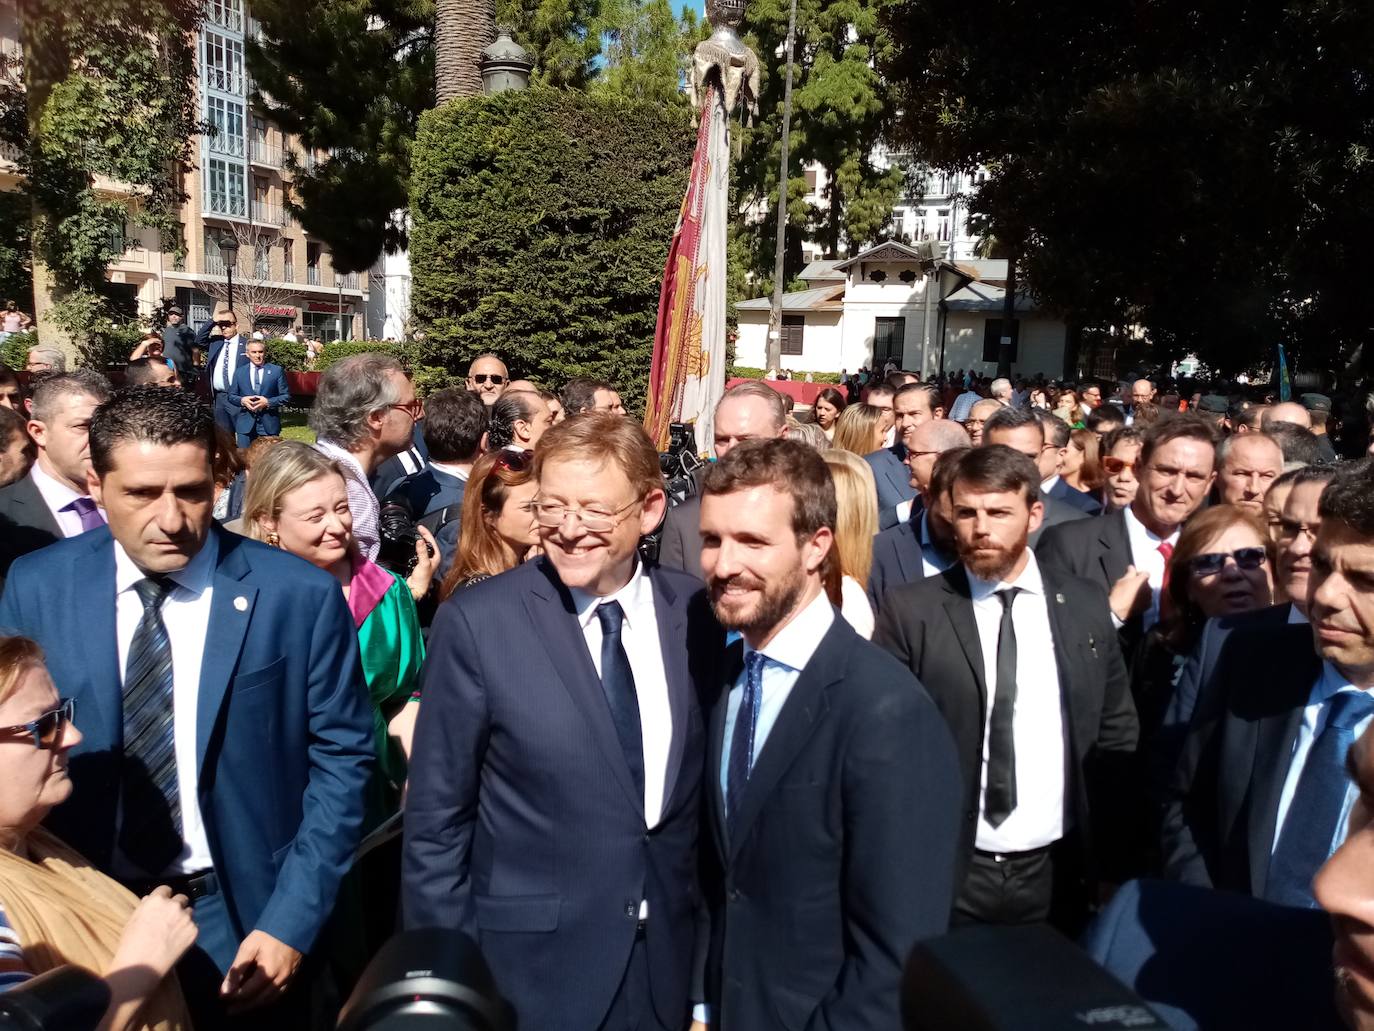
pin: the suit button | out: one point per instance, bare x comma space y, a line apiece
631, 910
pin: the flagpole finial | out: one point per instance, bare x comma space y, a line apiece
736, 67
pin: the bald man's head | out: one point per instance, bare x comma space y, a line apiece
1286, 411
926, 443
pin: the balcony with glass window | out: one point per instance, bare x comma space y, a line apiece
271, 214
230, 205
288, 273
225, 13
214, 262
265, 155
230, 146
312, 275
346, 282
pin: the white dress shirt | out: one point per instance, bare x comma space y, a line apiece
226, 363
186, 614
787, 653
1329, 682
1146, 557
57, 495
644, 649
1038, 720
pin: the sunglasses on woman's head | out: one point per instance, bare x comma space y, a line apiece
46, 730
515, 461
1213, 562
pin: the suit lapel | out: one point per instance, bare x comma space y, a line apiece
231, 610
715, 747
94, 575
803, 710
551, 612
26, 493
959, 610
672, 639
1116, 544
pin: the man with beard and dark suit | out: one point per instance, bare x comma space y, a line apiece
1126, 552
1020, 430
831, 783
552, 808
923, 544
1023, 663
1261, 794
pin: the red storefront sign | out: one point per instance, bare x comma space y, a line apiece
329, 308
282, 311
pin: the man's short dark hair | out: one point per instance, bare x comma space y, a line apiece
1305, 474
1249, 417
13, 425
153, 415
139, 372
511, 407
931, 391
883, 389
1298, 443
895, 380
1349, 497
579, 395
1118, 435
1101, 418
455, 420
787, 466
80, 383
1008, 418
997, 468
1175, 427
1056, 429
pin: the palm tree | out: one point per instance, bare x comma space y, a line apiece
461, 29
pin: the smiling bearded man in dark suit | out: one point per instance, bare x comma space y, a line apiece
832, 784
553, 792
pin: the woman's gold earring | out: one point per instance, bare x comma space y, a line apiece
273, 540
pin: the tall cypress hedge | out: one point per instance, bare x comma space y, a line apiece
540, 224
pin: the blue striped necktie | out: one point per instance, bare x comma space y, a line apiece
742, 739
1314, 814
150, 827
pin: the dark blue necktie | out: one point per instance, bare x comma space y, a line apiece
1305, 842
150, 826
742, 739
618, 681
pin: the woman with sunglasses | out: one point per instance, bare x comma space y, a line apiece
497, 530
55, 908
297, 501
1222, 565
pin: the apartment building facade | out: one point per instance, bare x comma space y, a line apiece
236, 190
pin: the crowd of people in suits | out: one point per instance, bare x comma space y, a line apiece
880, 678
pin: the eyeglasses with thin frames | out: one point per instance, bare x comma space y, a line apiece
551, 514
46, 730
415, 409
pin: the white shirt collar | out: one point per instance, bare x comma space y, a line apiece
1029, 581
458, 471
1138, 531
631, 598
195, 576
1048, 485
57, 493
795, 643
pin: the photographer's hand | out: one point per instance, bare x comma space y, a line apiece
426, 563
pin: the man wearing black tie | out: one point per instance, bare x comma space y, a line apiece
1023, 662
831, 781
220, 338
553, 792
1262, 796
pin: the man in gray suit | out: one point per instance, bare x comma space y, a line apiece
751, 410
1020, 430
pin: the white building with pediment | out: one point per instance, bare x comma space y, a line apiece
891, 302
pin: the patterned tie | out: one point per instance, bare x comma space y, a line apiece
618, 681
226, 360
1166, 605
89, 514
999, 798
742, 740
150, 831
1309, 831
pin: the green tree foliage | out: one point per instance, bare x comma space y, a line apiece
1206, 170
841, 108
109, 91
561, 37
540, 225
351, 77
647, 50
16, 257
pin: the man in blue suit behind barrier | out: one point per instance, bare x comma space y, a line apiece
249, 800
258, 392
553, 794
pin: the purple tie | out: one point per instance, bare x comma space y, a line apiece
90, 515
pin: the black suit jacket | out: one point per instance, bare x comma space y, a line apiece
843, 853
1098, 550
1221, 804
680, 545
893, 480
523, 826
1085, 503
26, 524
896, 556
930, 627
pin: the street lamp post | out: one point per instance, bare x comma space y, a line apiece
773, 347
229, 251
338, 282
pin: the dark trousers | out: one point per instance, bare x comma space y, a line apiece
224, 411
632, 1009
1043, 885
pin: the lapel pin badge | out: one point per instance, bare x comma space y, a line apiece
1059, 598
241, 603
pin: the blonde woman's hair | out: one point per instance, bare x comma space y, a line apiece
856, 427
287, 466
856, 512
18, 655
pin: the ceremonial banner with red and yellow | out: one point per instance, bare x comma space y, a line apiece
687, 377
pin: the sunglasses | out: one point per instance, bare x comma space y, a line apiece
46, 731
495, 378
1213, 562
1116, 465
515, 461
